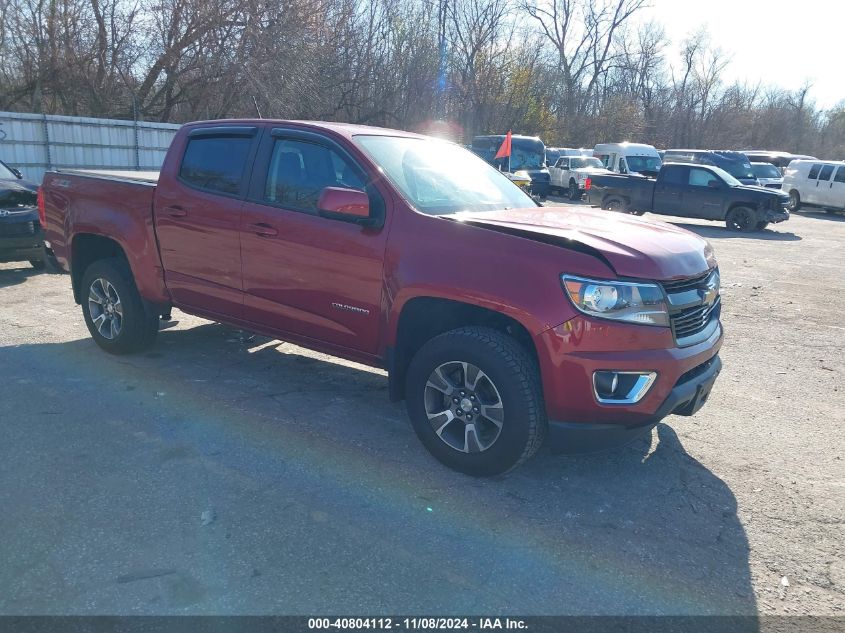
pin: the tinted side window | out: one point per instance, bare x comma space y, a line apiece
299, 171
216, 163
701, 177
827, 170
814, 172
674, 175
840, 174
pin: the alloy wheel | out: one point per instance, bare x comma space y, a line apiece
105, 308
464, 407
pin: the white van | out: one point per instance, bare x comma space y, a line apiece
629, 158
815, 183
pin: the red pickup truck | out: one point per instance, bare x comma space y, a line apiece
498, 321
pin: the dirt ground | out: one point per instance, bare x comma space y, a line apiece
226, 473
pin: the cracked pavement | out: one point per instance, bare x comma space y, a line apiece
225, 473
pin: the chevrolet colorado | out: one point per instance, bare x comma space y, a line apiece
498, 321
691, 191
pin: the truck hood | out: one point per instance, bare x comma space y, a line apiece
14, 195
631, 246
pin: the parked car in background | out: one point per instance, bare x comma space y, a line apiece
21, 238
497, 320
813, 183
691, 191
629, 158
735, 163
780, 160
767, 175
571, 173
528, 158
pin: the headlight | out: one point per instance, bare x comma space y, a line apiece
618, 300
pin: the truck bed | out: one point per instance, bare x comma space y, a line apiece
115, 174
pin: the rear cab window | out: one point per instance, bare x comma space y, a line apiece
216, 161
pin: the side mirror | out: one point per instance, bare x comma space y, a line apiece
339, 203
714, 184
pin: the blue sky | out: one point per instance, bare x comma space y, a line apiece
779, 43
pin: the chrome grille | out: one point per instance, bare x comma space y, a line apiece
692, 307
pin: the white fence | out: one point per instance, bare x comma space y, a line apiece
35, 143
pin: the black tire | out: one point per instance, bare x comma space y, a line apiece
615, 204
761, 226
742, 219
138, 328
38, 264
516, 380
794, 200
574, 192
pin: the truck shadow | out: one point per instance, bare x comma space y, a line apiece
719, 232
13, 276
303, 449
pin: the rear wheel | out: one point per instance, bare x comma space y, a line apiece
113, 309
794, 200
574, 192
475, 401
614, 205
741, 219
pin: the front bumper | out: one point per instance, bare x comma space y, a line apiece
23, 248
687, 396
773, 217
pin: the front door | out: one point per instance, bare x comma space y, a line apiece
197, 218
306, 274
705, 195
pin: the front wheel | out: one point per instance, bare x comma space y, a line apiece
113, 309
741, 219
475, 401
38, 264
794, 200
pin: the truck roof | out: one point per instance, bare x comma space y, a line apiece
344, 129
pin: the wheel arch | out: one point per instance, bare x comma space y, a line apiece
87, 248
422, 318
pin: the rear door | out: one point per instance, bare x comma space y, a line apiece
810, 187
837, 189
303, 273
669, 189
197, 216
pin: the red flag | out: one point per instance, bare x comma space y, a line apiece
505, 149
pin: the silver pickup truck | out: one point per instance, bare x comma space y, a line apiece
570, 173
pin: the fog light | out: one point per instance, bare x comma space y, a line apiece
622, 387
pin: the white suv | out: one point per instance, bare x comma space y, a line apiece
815, 183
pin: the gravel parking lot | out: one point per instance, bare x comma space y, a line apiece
229, 473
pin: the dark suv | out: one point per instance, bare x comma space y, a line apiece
21, 238
735, 163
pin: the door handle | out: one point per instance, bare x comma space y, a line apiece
175, 211
263, 230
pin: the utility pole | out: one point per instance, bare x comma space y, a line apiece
440, 105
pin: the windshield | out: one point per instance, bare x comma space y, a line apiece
737, 169
729, 180
526, 155
585, 163
441, 178
766, 171
643, 163
6, 173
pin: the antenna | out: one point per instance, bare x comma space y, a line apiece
257, 109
